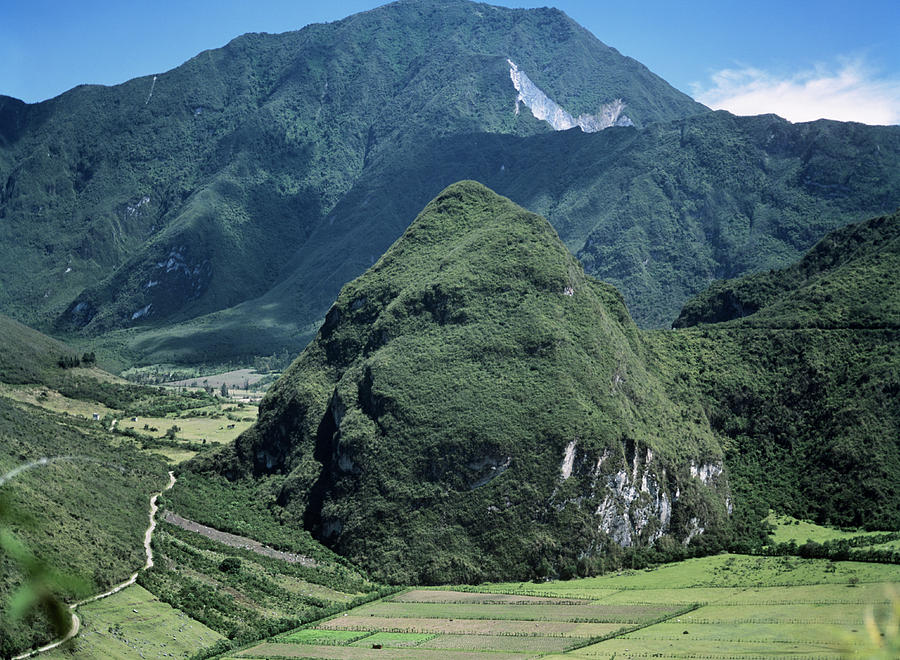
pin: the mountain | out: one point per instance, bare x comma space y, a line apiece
840, 283
474, 406
176, 195
800, 368
660, 213
213, 212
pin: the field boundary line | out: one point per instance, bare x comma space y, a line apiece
276, 639
621, 632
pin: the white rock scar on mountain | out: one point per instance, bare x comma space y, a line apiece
548, 110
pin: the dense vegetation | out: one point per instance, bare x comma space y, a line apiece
659, 213
839, 284
475, 369
449, 383
213, 212
82, 514
806, 388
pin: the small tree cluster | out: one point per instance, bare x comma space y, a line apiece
68, 361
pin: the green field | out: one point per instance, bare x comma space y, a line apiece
207, 425
789, 529
135, 624
724, 606
215, 426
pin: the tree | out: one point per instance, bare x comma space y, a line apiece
230, 565
223, 391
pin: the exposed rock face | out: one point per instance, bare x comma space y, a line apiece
548, 110
632, 494
632, 500
178, 277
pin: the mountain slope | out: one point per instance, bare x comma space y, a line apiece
213, 212
184, 193
659, 213
74, 495
840, 283
806, 388
26, 355
475, 373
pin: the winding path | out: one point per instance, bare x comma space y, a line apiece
76, 622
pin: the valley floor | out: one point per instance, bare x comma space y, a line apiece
725, 606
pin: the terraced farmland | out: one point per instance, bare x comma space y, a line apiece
720, 607
424, 623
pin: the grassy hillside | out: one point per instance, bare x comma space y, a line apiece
129, 625
82, 514
28, 356
475, 370
233, 588
73, 494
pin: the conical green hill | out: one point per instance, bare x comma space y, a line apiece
475, 407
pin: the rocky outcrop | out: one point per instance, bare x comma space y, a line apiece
548, 110
632, 495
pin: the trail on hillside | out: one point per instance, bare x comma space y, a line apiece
76, 622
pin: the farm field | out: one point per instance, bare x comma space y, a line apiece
791, 529
725, 606
425, 623
129, 624
49, 399
216, 427
230, 379
245, 385
239, 592
214, 424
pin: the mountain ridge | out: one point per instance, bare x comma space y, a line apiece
238, 154
161, 219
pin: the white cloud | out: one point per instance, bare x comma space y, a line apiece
849, 92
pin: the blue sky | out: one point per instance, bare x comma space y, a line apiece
800, 59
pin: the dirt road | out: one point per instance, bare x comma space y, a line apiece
76, 622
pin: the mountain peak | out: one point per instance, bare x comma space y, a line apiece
476, 368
